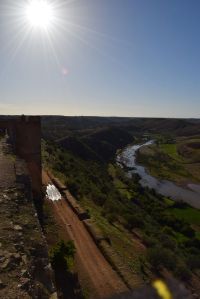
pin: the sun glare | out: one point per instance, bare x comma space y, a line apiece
40, 14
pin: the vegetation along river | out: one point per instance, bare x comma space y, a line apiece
167, 188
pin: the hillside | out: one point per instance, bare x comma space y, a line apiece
148, 233
57, 127
100, 144
138, 232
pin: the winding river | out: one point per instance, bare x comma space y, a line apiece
167, 188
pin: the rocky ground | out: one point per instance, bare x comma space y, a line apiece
25, 271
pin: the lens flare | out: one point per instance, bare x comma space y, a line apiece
40, 14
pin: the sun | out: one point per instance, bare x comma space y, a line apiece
40, 14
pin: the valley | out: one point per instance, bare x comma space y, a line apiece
148, 234
177, 160
188, 193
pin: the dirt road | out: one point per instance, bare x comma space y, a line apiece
103, 278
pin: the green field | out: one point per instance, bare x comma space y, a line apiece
178, 162
171, 151
189, 214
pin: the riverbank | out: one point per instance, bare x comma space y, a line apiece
167, 188
178, 162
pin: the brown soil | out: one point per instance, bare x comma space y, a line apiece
103, 280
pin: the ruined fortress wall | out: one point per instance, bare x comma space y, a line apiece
28, 147
25, 271
25, 136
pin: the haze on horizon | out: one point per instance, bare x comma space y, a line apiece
107, 58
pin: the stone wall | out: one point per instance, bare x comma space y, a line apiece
25, 136
25, 271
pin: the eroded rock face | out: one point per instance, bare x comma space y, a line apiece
24, 265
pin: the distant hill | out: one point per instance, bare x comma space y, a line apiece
178, 127
98, 145
57, 127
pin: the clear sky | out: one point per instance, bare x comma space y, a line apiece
102, 57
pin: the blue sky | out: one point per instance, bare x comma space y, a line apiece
103, 57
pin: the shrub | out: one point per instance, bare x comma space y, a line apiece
180, 205
182, 272
62, 254
194, 242
111, 218
73, 187
193, 262
188, 231
159, 256
149, 240
99, 198
135, 220
167, 241
168, 230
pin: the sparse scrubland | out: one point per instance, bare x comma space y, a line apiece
149, 233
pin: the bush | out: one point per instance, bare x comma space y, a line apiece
159, 257
111, 218
62, 254
73, 187
149, 240
167, 241
168, 230
193, 262
188, 231
133, 221
180, 205
194, 242
99, 198
182, 272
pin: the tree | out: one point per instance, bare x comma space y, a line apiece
135, 220
62, 254
159, 256
182, 272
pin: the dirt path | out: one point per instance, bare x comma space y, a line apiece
104, 279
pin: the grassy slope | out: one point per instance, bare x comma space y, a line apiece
122, 241
171, 150
86, 176
119, 185
188, 214
119, 205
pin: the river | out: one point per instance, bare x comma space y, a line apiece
164, 187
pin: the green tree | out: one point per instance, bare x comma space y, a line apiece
159, 256
182, 272
62, 254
